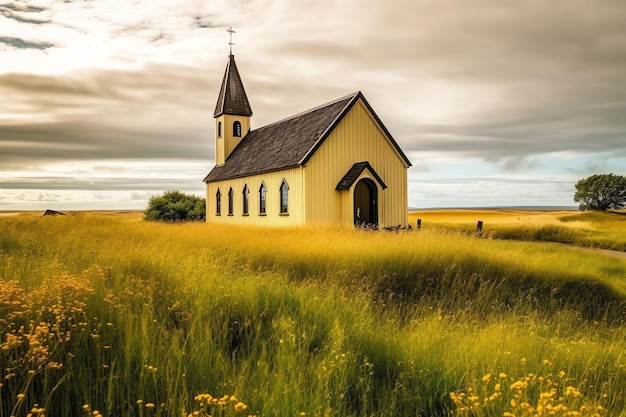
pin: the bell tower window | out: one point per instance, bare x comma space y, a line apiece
237, 128
219, 129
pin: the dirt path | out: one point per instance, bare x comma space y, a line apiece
611, 252
617, 253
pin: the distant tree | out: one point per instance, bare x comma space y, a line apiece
175, 206
601, 192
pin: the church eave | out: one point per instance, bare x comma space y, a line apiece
248, 174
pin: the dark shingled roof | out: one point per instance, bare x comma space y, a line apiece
288, 143
232, 98
353, 173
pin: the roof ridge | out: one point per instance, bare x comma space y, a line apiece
321, 106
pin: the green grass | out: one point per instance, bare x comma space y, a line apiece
322, 321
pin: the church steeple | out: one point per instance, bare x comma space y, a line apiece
232, 99
232, 112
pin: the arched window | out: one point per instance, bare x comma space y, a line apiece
237, 129
284, 197
230, 201
219, 129
262, 199
218, 203
246, 194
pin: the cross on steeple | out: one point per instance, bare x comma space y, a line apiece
230, 42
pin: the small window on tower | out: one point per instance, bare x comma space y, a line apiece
237, 129
219, 129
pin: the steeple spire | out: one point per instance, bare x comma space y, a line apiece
232, 99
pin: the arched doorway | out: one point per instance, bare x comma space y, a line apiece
365, 208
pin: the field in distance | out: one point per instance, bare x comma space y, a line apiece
590, 229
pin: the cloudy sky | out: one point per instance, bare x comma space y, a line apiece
104, 103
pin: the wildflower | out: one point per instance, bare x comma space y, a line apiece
149, 405
562, 374
302, 414
20, 396
240, 406
507, 414
139, 402
86, 407
487, 378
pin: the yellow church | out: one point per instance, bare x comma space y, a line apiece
333, 164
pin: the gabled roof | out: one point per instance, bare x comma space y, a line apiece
232, 98
353, 173
290, 142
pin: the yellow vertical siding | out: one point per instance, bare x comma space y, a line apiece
355, 139
273, 217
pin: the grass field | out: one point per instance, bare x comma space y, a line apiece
103, 313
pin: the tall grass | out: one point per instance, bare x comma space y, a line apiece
114, 314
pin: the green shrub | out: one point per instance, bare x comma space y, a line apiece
175, 206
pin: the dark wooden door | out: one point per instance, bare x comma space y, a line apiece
365, 203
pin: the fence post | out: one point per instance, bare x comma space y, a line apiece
419, 224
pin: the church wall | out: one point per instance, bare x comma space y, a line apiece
356, 138
273, 181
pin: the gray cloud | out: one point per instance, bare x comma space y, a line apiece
24, 44
154, 184
108, 115
23, 13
